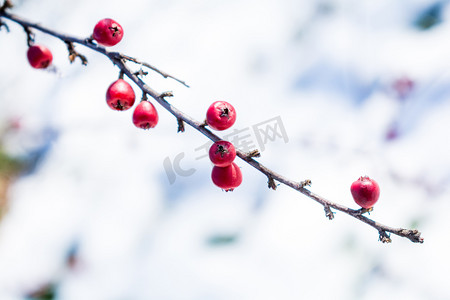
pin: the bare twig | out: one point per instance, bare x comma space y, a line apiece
162, 73
120, 61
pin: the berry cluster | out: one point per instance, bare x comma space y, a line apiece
120, 95
225, 174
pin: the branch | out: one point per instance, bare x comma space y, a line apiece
120, 61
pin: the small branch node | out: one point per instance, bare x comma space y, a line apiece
89, 40
304, 183
180, 125
140, 73
253, 153
6, 5
73, 54
166, 94
271, 183
384, 237
328, 213
364, 210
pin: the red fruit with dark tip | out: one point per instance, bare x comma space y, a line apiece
222, 153
39, 56
120, 95
365, 192
107, 32
221, 115
145, 115
227, 178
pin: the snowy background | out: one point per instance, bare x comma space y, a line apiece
360, 87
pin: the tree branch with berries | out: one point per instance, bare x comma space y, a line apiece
220, 116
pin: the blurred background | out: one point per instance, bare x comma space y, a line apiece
329, 90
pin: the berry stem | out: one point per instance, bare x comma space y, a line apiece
120, 61
144, 96
180, 125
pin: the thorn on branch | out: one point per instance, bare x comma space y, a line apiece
384, 237
180, 125
271, 183
328, 213
166, 94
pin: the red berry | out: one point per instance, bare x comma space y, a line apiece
39, 56
365, 192
220, 115
107, 32
227, 178
145, 115
222, 153
120, 95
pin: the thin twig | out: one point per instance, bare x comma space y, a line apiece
162, 73
120, 61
